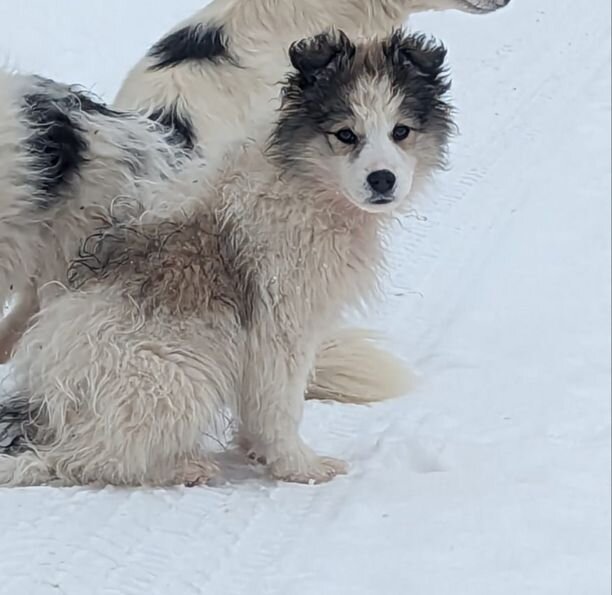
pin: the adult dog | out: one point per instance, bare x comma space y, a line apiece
64, 156
218, 301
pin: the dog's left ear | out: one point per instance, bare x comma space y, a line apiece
426, 55
323, 52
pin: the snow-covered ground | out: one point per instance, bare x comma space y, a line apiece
493, 477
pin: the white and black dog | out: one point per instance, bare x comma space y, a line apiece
213, 80
63, 155
218, 292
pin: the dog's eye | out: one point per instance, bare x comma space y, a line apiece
400, 133
347, 136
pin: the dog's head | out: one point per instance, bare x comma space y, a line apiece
367, 121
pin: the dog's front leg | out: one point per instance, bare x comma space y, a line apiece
271, 413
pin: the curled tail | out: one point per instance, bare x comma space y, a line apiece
353, 367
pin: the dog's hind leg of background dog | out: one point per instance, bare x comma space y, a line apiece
14, 325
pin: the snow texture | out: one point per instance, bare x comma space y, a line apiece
493, 477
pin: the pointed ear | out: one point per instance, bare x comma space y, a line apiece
426, 55
312, 56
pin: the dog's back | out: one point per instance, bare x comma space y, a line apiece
219, 71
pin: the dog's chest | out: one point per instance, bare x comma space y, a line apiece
312, 270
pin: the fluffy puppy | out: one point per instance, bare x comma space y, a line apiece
180, 314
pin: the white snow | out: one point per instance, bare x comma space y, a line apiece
493, 477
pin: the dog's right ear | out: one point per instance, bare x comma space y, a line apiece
314, 55
417, 51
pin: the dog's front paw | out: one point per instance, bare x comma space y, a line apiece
314, 470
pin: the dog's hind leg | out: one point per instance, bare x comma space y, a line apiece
25, 469
21, 464
113, 397
16, 321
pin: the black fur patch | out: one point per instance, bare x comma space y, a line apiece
419, 76
58, 143
180, 126
317, 96
17, 425
194, 43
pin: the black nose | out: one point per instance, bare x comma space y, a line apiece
382, 181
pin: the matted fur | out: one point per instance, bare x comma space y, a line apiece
215, 294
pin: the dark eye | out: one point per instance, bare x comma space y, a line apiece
401, 133
347, 136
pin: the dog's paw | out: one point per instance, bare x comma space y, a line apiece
315, 471
197, 473
247, 445
483, 6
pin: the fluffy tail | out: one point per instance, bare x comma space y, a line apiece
352, 367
